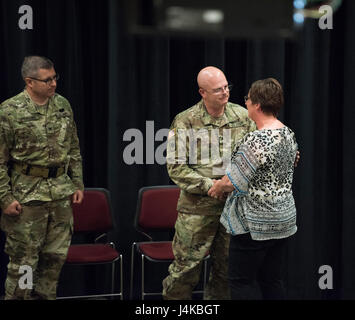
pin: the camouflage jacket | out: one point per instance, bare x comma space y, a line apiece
42, 136
199, 149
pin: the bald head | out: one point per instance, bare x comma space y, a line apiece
213, 88
208, 76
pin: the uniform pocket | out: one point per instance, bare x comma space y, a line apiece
62, 128
25, 137
7, 222
29, 131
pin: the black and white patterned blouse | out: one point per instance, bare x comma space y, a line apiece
261, 171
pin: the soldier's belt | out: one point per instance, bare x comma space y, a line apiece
38, 171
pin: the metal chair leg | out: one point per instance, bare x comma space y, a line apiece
121, 276
113, 278
142, 286
132, 270
205, 276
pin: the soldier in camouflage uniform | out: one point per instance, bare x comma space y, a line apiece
39, 150
197, 229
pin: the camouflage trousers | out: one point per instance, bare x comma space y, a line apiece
195, 236
37, 241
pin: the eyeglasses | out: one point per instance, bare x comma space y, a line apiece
246, 98
221, 89
47, 81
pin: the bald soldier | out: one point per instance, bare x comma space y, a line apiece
218, 125
40, 175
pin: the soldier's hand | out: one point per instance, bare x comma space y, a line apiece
298, 156
78, 196
14, 209
215, 191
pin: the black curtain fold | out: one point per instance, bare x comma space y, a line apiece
346, 200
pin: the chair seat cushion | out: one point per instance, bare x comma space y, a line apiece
157, 250
91, 253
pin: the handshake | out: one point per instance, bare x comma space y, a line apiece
221, 188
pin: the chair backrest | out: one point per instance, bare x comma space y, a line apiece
94, 214
156, 208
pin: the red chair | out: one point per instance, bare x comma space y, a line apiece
94, 216
156, 212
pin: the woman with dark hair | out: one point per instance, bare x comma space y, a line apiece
260, 210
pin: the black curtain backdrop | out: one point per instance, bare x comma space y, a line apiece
116, 81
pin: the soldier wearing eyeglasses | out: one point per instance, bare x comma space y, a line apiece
198, 231
40, 175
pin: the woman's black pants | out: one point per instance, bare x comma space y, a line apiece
256, 268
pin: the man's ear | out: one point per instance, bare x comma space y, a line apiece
28, 82
202, 92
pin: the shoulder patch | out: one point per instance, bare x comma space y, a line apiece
171, 133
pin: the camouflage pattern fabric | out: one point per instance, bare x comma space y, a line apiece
195, 237
33, 135
195, 178
38, 238
197, 229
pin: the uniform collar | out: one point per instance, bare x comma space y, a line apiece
33, 108
207, 119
